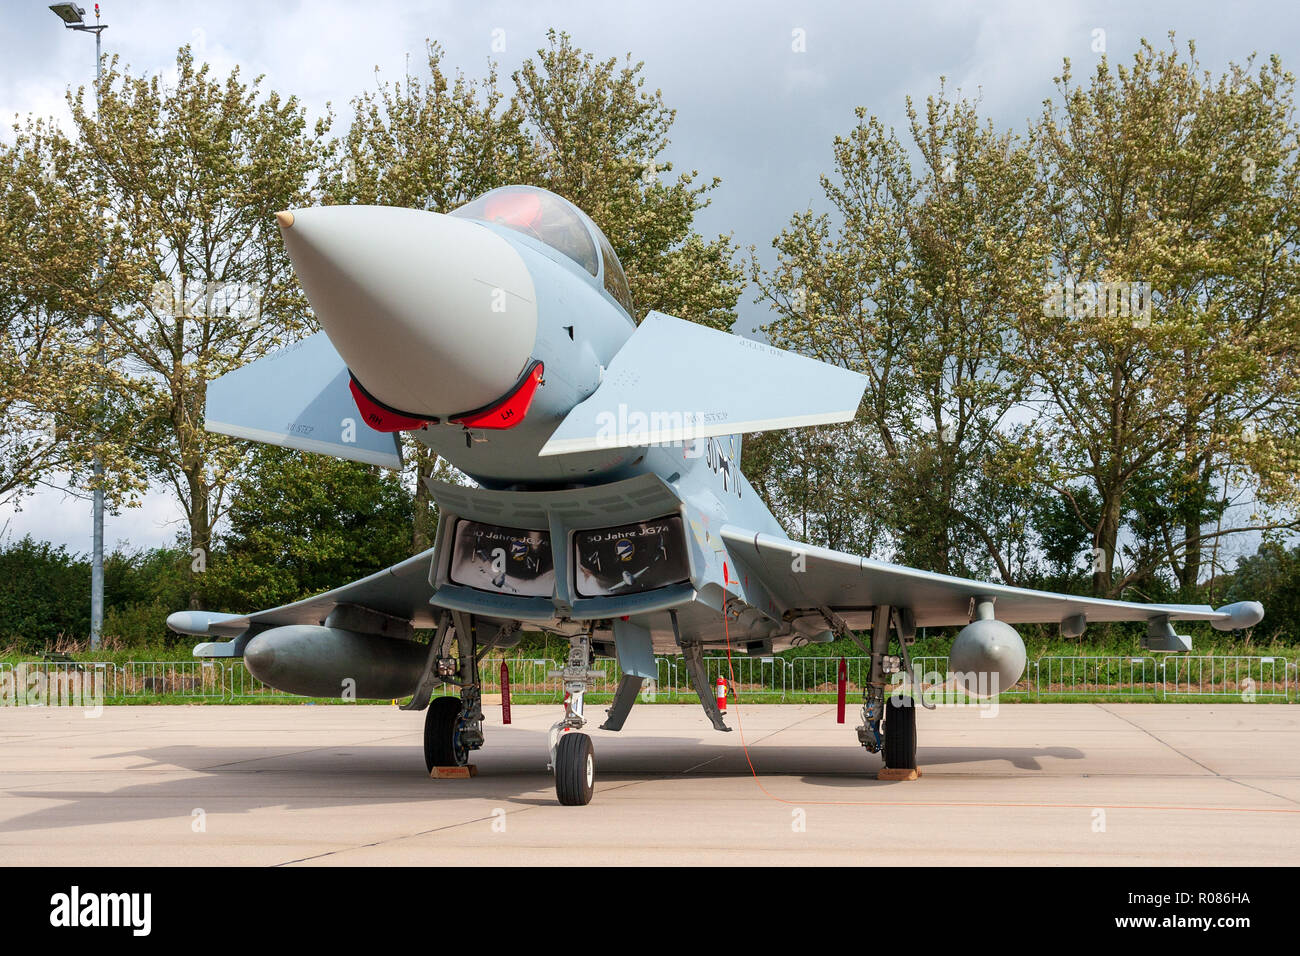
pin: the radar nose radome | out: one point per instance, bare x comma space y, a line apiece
433, 315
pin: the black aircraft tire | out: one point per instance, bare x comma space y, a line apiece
900, 734
575, 770
440, 721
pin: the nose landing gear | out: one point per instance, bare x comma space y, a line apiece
575, 770
572, 756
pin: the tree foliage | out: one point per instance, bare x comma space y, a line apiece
897, 285
1081, 342
1158, 173
197, 280
52, 386
599, 138
300, 526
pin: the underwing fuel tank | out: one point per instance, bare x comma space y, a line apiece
987, 658
317, 661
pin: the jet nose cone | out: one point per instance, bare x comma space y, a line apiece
434, 315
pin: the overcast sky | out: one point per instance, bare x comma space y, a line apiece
760, 89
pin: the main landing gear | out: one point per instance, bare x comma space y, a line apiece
888, 723
572, 756
453, 727
443, 745
889, 727
900, 734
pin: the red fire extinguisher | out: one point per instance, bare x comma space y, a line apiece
722, 695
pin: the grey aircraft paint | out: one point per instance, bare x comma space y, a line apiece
613, 504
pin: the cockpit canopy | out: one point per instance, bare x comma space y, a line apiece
556, 222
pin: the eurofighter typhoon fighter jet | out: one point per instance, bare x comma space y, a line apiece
608, 507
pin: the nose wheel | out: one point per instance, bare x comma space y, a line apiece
572, 757
575, 770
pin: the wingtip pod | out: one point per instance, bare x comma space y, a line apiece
1240, 616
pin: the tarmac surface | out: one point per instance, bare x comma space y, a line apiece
326, 785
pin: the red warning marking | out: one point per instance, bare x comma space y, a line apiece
510, 411
381, 419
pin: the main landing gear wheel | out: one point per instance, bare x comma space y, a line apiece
575, 770
900, 734
442, 744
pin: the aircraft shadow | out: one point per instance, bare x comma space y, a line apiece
249, 779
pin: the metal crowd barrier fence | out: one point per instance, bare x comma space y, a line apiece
769, 679
56, 683
241, 685
187, 679
1098, 676
1245, 677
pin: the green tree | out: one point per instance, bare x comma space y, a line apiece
53, 420
1271, 576
192, 175
1158, 173
817, 483
430, 143
42, 594
920, 281
297, 529
600, 138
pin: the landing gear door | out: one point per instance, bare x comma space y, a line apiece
630, 558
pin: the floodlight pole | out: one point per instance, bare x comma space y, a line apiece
97, 533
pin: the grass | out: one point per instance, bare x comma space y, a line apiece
112, 650
1112, 641
1118, 640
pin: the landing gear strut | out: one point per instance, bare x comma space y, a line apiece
453, 728
572, 756
897, 713
693, 658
